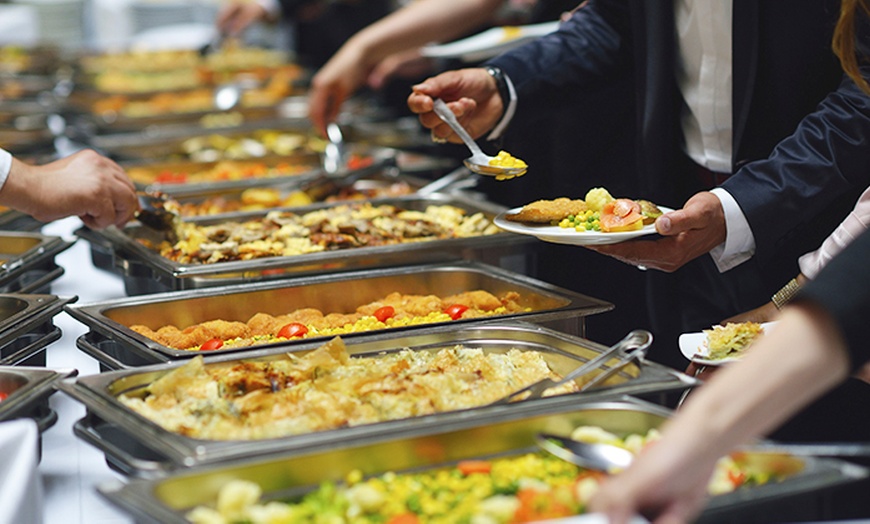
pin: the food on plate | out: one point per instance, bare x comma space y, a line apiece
283, 233
527, 487
621, 214
731, 339
599, 211
327, 389
547, 211
393, 311
597, 197
649, 211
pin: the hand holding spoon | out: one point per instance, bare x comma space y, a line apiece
479, 162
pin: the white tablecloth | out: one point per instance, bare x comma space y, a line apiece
71, 469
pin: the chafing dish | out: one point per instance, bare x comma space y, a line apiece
27, 390
19, 59
140, 447
27, 261
12, 220
27, 327
145, 271
288, 475
116, 346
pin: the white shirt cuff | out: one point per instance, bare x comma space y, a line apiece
739, 245
271, 6
508, 115
5, 166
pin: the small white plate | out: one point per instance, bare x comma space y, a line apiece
567, 235
489, 43
693, 346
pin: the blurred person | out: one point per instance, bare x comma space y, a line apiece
321, 27
775, 127
820, 339
391, 45
85, 184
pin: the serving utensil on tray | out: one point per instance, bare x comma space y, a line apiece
607, 457
478, 162
153, 215
637, 342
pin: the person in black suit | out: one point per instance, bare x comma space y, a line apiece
795, 164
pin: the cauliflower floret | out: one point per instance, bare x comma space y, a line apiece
237, 496
597, 197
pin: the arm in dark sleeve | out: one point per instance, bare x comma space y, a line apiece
825, 158
842, 289
588, 48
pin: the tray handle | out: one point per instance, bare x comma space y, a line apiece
98, 354
116, 456
46, 279
31, 349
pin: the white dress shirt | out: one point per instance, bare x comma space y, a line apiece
704, 75
849, 229
5, 166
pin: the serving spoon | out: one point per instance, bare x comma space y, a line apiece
478, 162
609, 458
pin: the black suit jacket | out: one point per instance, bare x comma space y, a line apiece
800, 157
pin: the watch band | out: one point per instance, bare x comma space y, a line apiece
501, 83
784, 295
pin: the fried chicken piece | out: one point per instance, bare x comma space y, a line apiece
546, 211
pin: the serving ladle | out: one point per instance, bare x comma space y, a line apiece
478, 162
610, 458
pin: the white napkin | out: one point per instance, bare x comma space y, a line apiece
20, 488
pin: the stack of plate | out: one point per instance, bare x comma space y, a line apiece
60, 21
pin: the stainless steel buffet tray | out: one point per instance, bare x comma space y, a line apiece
116, 346
493, 432
126, 436
27, 327
28, 389
27, 262
145, 271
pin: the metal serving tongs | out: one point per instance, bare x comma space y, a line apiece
631, 348
154, 216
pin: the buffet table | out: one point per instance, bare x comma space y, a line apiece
71, 469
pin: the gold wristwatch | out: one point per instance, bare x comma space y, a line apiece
785, 294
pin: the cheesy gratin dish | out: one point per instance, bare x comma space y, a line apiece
283, 233
327, 389
393, 311
530, 487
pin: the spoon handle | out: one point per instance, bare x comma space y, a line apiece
449, 118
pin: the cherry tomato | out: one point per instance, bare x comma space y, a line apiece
3, 396
621, 214
293, 330
211, 345
456, 310
467, 467
168, 177
383, 313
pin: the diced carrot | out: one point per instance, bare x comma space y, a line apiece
467, 467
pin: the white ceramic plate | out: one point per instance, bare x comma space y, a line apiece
694, 348
489, 43
565, 235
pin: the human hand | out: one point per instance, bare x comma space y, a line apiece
86, 184
472, 95
407, 64
663, 484
234, 17
343, 74
689, 233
